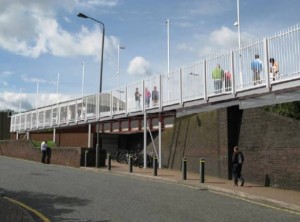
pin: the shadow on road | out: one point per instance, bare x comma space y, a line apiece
48, 204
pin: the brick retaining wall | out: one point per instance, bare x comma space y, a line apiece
24, 149
270, 143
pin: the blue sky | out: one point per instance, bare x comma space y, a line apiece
41, 38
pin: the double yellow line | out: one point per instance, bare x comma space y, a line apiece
35, 212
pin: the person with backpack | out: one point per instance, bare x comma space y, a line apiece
237, 163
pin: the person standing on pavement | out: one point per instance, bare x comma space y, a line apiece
44, 151
237, 163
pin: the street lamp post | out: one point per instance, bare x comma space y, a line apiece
237, 23
82, 82
100, 82
168, 55
118, 71
118, 74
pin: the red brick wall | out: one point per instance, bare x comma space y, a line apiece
24, 149
198, 136
65, 137
271, 145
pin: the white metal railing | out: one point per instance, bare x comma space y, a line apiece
223, 74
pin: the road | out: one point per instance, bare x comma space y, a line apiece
71, 194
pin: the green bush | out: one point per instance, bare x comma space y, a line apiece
37, 144
291, 110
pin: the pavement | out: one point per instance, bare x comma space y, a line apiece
288, 200
275, 197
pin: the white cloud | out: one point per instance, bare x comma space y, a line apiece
11, 100
139, 66
6, 74
27, 79
4, 83
30, 28
210, 7
90, 3
185, 47
224, 39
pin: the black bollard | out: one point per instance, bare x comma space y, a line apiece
154, 166
85, 158
184, 168
202, 170
130, 163
108, 162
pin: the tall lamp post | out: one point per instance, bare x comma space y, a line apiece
118, 74
118, 71
168, 55
237, 23
101, 72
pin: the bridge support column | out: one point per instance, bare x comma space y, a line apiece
145, 139
54, 135
159, 141
89, 135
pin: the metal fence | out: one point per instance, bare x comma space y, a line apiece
235, 71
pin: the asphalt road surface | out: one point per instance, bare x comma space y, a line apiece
71, 194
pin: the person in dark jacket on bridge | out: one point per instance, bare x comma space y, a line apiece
237, 163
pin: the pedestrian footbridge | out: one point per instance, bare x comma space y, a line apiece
190, 89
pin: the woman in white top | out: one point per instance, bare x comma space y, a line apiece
274, 69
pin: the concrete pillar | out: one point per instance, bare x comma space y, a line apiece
54, 135
89, 135
159, 141
145, 139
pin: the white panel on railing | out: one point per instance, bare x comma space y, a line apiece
34, 120
80, 110
91, 106
151, 92
18, 121
135, 99
119, 100
71, 111
23, 121
171, 88
54, 115
28, 120
48, 111
63, 113
41, 114
104, 104
193, 82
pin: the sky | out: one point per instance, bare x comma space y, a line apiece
43, 44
